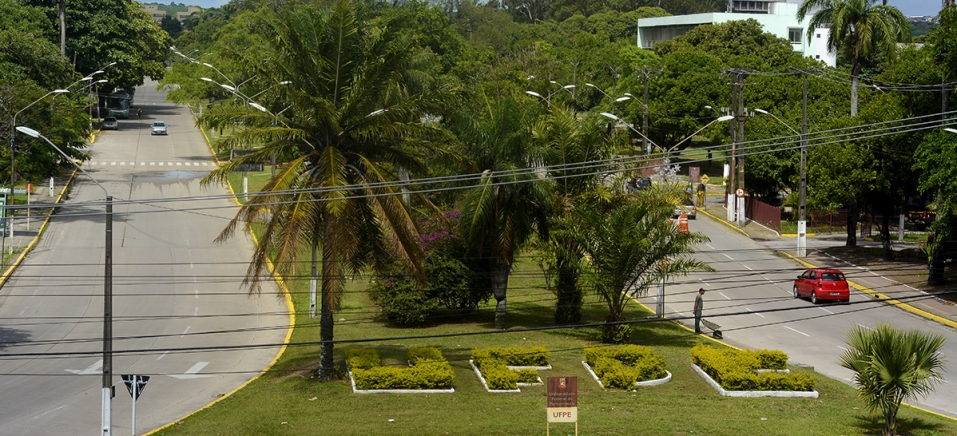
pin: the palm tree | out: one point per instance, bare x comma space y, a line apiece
570, 141
859, 27
352, 101
502, 212
892, 365
631, 245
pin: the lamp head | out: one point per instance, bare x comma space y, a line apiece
726, 118
207, 79
762, 111
28, 131
951, 130
533, 93
609, 115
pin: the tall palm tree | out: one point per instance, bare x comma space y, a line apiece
353, 111
859, 27
631, 245
892, 365
503, 211
570, 141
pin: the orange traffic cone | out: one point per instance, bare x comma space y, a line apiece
683, 223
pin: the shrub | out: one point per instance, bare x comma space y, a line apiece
735, 369
493, 363
429, 370
620, 367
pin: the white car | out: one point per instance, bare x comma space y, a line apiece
159, 128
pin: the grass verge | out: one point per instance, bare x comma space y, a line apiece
288, 400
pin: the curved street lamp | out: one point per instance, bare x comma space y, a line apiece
107, 387
948, 129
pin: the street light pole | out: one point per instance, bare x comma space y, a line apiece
802, 190
107, 391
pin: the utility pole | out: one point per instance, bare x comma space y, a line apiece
730, 200
647, 73
802, 192
740, 114
107, 418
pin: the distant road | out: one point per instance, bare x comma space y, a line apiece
173, 288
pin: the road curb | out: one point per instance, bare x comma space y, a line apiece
46, 220
724, 222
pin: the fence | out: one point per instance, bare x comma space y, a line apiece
763, 213
834, 220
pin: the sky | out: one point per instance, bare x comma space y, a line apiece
908, 7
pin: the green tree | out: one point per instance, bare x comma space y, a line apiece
891, 365
503, 210
631, 244
354, 111
861, 28
572, 143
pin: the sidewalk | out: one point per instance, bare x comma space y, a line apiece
27, 225
913, 296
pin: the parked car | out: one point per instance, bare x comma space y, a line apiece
686, 206
110, 123
159, 128
821, 284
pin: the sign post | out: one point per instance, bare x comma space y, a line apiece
562, 397
135, 384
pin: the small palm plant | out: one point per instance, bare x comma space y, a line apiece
892, 365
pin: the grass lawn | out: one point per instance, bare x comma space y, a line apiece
288, 400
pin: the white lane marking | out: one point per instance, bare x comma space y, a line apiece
92, 369
161, 164
142, 163
729, 257
49, 411
679, 313
152, 163
707, 245
204, 163
184, 331
797, 331
196, 293
828, 311
112, 163
191, 265
749, 268
196, 311
169, 163
162, 355
179, 163
758, 314
862, 325
192, 372
725, 296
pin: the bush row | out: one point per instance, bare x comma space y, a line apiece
620, 367
735, 369
429, 370
493, 363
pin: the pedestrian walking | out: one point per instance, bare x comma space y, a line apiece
701, 193
139, 113
698, 307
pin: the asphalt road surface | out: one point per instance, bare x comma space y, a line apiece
751, 297
173, 289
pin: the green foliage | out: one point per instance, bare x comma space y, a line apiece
493, 363
513, 356
736, 43
942, 41
891, 365
621, 366
737, 369
429, 370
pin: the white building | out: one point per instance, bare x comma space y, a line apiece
778, 17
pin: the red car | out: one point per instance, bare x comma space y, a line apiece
821, 284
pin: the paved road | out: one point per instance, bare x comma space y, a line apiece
173, 288
750, 296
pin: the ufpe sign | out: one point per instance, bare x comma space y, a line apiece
562, 399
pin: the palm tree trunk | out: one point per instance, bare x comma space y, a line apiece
569, 305
327, 303
855, 71
499, 282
